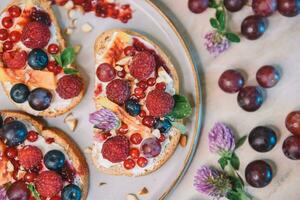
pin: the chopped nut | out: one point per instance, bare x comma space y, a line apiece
73, 24
132, 197
71, 121
77, 48
71, 14
69, 31
144, 191
183, 140
102, 183
119, 68
86, 28
156, 133
9, 167
88, 150
69, 5
124, 61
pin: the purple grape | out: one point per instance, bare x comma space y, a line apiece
151, 147
253, 27
264, 7
267, 76
258, 174
289, 8
198, 6
262, 139
18, 191
231, 81
250, 98
291, 147
234, 5
40, 99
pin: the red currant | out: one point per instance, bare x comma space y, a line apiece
143, 85
3, 34
151, 81
11, 152
7, 45
30, 177
134, 153
8, 119
103, 136
121, 74
32, 136
142, 162
136, 138
142, 113
123, 129
149, 121
129, 164
53, 49
14, 11
50, 140
7, 22
129, 51
162, 138
15, 36
160, 86
141, 95
138, 91
54, 67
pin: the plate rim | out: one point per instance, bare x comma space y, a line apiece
198, 103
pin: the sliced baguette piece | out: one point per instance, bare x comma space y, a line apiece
100, 48
46, 6
60, 138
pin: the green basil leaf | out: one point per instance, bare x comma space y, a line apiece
235, 161
182, 108
67, 57
220, 15
240, 142
70, 71
32, 189
223, 161
232, 37
179, 126
57, 58
214, 23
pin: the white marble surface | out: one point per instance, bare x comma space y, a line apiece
279, 46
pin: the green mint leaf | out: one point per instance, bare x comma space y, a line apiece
232, 37
179, 126
220, 15
213, 4
223, 161
67, 57
34, 192
214, 23
70, 71
182, 108
233, 195
240, 142
235, 161
57, 58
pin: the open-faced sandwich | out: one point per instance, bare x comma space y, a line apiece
38, 162
138, 122
36, 68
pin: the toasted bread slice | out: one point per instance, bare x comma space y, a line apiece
58, 105
58, 137
101, 49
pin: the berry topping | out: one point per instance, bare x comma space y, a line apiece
143, 65
14, 133
116, 149
15, 59
53, 49
54, 160
149, 121
11, 152
3, 34
151, 147
134, 153
30, 156
71, 192
40, 16
8, 119
136, 138
38, 59
118, 91
14, 11
30, 177
18, 191
151, 81
7, 22
19, 93
129, 164
159, 103
69, 86
132, 107
161, 86
68, 173
32, 136
35, 35
129, 51
121, 74
7, 45
142, 162
15, 36
48, 183
54, 67
163, 126
105, 72
123, 129
40, 99
143, 84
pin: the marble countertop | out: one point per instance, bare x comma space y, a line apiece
278, 46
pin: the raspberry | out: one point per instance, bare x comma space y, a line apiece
159, 103
35, 35
68, 173
69, 86
118, 91
30, 156
48, 183
116, 149
143, 65
15, 59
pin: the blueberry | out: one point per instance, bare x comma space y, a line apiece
71, 192
40, 99
54, 160
19, 93
132, 107
38, 59
14, 133
163, 126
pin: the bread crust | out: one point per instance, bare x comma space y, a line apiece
100, 45
70, 147
62, 44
